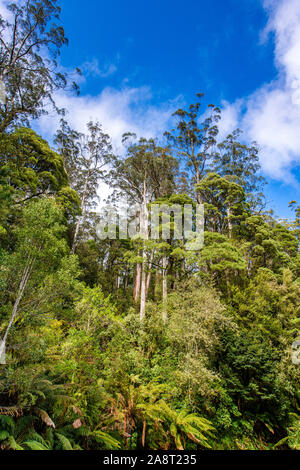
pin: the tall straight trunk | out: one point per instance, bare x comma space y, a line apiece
164, 288
230, 226
144, 226
143, 287
81, 218
149, 273
25, 276
137, 283
126, 277
198, 181
199, 198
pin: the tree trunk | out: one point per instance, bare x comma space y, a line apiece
230, 227
22, 287
164, 288
199, 198
143, 287
144, 226
198, 181
79, 221
126, 277
137, 283
149, 274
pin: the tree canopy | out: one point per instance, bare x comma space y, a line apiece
137, 343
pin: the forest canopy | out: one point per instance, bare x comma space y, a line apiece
138, 343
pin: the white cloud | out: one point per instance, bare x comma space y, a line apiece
4, 12
271, 115
119, 111
230, 118
93, 68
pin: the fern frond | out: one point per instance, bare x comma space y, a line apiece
64, 442
106, 439
34, 445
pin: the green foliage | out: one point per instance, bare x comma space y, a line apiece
30, 77
293, 438
33, 169
206, 362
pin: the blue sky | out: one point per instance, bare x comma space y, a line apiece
175, 47
141, 60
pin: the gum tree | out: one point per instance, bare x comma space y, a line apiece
193, 139
30, 43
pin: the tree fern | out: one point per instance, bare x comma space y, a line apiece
34, 445
13, 445
64, 442
4, 435
108, 440
7, 423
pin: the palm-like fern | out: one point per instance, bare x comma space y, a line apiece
293, 438
162, 426
138, 406
188, 426
21, 435
16, 436
106, 439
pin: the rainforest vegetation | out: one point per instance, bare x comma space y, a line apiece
136, 344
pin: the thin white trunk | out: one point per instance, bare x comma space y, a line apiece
230, 227
144, 225
149, 274
164, 288
137, 283
22, 287
143, 287
81, 218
